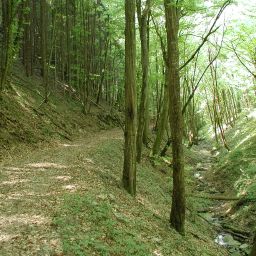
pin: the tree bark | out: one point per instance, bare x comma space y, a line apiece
43, 17
177, 216
129, 169
143, 110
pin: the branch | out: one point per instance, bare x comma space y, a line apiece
197, 84
161, 40
240, 60
211, 31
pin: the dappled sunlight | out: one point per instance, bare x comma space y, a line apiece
23, 219
252, 114
5, 237
248, 137
47, 165
71, 187
15, 181
157, 253
26, 194
11, 168
63, 178
70, 145
88, 160
147, 204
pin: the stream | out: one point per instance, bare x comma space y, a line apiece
235, 247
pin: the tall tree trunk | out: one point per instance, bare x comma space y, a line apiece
143, 25
43, 17
129, 169
7, 40
162, 122
177, 216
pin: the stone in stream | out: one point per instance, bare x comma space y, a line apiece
220, 240
230, 241
227, 240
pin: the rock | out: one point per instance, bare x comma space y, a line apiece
197, 175
220, 240
230, 241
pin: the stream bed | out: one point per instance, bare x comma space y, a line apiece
223, 238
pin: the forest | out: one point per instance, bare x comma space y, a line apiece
127, 127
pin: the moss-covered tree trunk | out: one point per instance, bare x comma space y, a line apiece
177, 216
129, 169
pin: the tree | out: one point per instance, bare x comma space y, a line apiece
7, 47
177, 216
129, 169
143, 16
43, 18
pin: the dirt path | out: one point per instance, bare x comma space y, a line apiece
31, 190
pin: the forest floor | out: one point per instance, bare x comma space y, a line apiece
60, 189
67, 200
32, 189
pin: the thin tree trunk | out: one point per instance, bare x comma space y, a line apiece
162, 122
43, 14
143, 111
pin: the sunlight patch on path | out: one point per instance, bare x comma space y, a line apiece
15, 181
71, 188
47, 165
63, 178
11, 168
70, 145
23, 219
5, 237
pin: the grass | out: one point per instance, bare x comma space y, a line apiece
107, 221
238, 167
236, 170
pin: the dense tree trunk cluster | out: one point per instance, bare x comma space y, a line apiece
69, 42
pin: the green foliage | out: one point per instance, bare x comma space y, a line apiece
81, 236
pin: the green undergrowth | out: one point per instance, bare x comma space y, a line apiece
236, 170
107, 221
238, 167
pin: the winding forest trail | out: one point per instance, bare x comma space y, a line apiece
32, 188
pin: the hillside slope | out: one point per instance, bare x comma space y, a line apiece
26, 121
235, 173
68, 200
